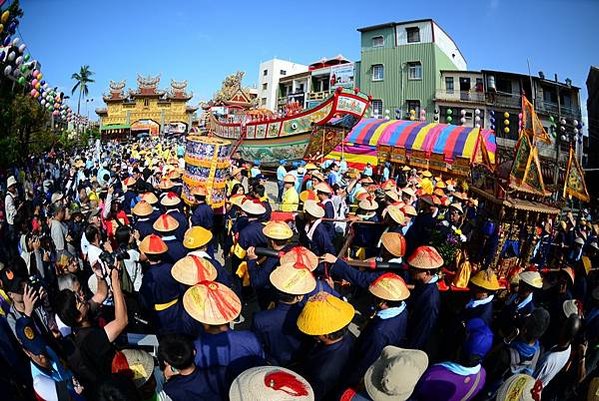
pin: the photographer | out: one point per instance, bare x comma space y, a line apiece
125, 240
93, 353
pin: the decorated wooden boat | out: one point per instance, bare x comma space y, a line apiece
312, 132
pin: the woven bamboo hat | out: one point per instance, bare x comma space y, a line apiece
308, 194
199, 191
277, 230
392, 194
531, 278
323, 187
394, 243
314, 209
410, 210
389, 287
426, 258
289, 179
408, 191
457, 207
439, 192
193, 269
129, 182
324, 314
300, 257
212, 303
293, 280
153, 245
368, 205
237, 199
142, 209
440, 184
518, 387
165, 184
136, 364
427, 174
253, 208
406, 168
486, 279
150, 198
165, 223
170, 199
396, 214
270, 383
196, 237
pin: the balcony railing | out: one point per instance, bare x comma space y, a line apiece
504, 100
318, 95
460, 96
552, 108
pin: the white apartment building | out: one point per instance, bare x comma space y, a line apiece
270, 73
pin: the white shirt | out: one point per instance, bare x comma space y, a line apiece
134, 268
11, 209
550, 364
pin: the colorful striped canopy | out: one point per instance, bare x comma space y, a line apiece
452, 141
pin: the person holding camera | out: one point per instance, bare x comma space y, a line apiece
132, 258
93, 346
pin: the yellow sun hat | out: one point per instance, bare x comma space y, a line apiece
212, 303
277, 230
193, 269
293, 280
396, 214
196, 237
390, 287
486, 279
324, 314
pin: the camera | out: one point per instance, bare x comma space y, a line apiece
35, 282
110, 259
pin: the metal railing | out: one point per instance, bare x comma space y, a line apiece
460, 96
318, 95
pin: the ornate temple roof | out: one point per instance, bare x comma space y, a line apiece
147, 86
115, 91
178, 91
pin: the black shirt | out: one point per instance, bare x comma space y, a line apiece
92, 358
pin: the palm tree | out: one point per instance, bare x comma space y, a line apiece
83, 77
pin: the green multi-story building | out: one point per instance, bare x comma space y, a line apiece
401, 64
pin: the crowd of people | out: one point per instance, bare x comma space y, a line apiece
314, 282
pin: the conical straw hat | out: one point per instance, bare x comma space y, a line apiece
486, 279
170, 199
389, 287
142, 209
193, 269
150, 198
153, 245
277, 230
196, 237
425, 257
165, 223
300, 257
293, 280
396, 214
212, 303
270, 383
324, 314
394, 243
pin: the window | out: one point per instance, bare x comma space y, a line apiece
415, 70
414, 105
283, 72
300, 88
479, 85
413, 35
146, 102
264, 86
265, 72
449, 84
263, 101
378, 41
378, 72
377, 107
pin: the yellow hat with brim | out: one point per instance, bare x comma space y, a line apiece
440, 184
293, 280
425, 258
192, 270
150, 198
308, 194
486, 279
237, 199
368, 205
389, 287
300, 257
212, 303
277, 230
406, 168
165, 185
394, 243
391, 194
427, 174
324, 314
313, 209
410, 210
311, 166
322, 187
289, 179
518, 387
165, 223
253, 208
142, 209
396, 214
196, 237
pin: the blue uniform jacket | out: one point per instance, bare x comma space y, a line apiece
377, 334
144, 226
236, 351
424, 305
176, 250
321, 242
484, 312
324, 366
278, 332
130, 199
252, 235
202, 384
203, 216
183, 223
358, 278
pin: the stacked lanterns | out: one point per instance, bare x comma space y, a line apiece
492, 120
423, 115
463, 118
448, 116
18, 66
412, 115
436, 115
398, 114
506, 123
477, 118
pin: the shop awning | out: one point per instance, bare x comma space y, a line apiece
115, 126
452, 141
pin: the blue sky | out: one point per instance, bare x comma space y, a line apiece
203, 41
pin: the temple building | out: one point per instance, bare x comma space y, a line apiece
146, 109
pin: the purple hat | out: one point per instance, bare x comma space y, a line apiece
479, 339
